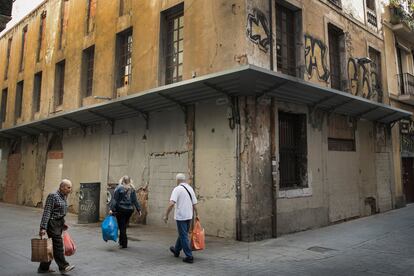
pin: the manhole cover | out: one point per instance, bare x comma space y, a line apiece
320, 249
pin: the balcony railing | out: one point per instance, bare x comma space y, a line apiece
372, 18
406, 84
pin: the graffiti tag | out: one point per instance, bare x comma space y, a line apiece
258, 30
364, 81
315, 58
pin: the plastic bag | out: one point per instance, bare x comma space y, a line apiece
109, 229
198, 236
68, 244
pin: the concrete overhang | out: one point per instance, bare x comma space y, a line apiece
245, 80
404, 31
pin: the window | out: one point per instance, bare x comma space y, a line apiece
371, 13
336, 3
124, 57
42, 27
19, 100
64, 17
286, 30
173, 36
124, 7
90, 19
59, 82
88, 58
6, 68
341, 133
22, 50
376, 75
3, 105
37, 91
292, 150
335, 37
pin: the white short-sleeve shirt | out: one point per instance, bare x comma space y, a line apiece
183, 204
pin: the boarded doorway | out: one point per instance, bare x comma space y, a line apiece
408, 178
13, 169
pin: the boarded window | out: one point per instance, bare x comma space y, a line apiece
59, 82
292, 150
6, 67
286, 30
341, 136
19, 100
174, 43
42, 27
3, 105
88, 59
90, 19
376, 74
124, 57
64, 17
37, 91
23, 48
335, 37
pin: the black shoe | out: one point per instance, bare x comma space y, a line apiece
172, 249
66, 269
45, 271
189, 260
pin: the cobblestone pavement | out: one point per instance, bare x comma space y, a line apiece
378, 245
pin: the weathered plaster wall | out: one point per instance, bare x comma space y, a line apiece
215, 169
3, 167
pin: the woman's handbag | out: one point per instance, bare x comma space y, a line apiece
69, 244
198, 236
42, 250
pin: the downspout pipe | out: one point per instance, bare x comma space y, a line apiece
271, 34
238, 173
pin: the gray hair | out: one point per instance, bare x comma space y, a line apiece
180, 176
65, 182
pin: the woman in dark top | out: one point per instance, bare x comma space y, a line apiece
125, 199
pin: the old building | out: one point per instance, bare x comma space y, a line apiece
277, 110
399, 44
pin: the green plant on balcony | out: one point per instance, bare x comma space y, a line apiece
401, 14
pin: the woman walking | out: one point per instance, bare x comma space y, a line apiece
125, 199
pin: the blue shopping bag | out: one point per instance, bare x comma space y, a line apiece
109, 229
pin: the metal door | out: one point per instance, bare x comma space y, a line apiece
89, 195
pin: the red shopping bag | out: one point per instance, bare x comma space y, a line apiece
69, 244
198, 236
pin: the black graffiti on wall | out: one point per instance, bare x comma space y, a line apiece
315, 58
258, 30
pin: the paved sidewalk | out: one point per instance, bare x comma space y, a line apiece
378, 245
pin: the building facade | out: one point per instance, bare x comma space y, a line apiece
277, 110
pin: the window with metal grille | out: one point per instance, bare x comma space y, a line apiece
341, 133
37, 91
40, 39
286, 40
376, 74
335, 35
22, 50
292, 151
6, 67
336, 2
174, 44
90, 18
88, 58
64, 17
124, 57
3, 104
59, 82
19, 100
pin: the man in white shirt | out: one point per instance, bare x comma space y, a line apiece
184, 200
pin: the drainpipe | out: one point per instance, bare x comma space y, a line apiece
271, 34
238, 173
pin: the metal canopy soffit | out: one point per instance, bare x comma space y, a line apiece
245, 80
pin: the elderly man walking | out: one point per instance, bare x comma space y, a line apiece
184, 200
53, 223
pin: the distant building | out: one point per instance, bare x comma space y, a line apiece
277, 110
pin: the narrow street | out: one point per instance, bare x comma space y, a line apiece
376, 245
